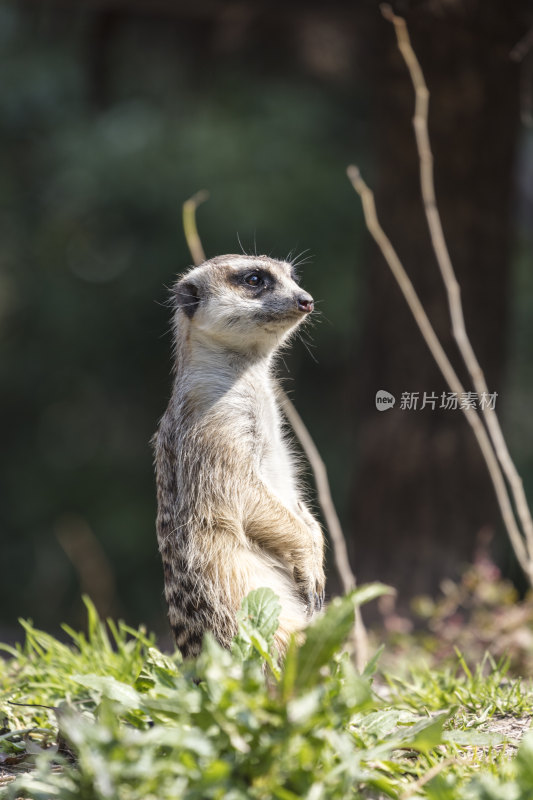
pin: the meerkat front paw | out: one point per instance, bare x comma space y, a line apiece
320, 591
311, 583
308, 571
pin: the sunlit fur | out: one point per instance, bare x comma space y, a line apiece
231, 517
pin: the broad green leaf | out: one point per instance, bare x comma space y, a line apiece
258, 621
158, 668
426, 734
111, 688
524, 761
355, 691
260, 612
370, 591
327, 634
302, 708
322, 638
261, 647
473, 737
372, 665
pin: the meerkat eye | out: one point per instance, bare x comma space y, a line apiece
253, 279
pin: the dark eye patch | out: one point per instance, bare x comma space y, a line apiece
254, 280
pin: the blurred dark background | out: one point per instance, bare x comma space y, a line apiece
114, 113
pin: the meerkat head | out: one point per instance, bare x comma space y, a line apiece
241, 302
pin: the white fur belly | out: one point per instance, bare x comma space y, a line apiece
277, 472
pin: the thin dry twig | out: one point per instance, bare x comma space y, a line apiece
453, 291
190, 229
95, 574
428, 776
316, 463
324, 494
445, 366
340, 553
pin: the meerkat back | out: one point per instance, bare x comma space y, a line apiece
231, 516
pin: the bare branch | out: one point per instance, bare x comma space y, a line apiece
84, 551
342, 562
445, 366
427, 184
428, 776
192, 237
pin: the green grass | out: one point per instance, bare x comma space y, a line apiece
127, 722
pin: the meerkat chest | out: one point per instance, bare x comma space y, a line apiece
274, 458
250, 417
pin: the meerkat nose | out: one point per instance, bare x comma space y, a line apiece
305, 303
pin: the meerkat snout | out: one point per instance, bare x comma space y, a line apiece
306, 303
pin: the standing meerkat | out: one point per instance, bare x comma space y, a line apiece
231, 516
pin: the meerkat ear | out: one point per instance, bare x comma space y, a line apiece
187, 297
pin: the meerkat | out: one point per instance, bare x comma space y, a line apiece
231, 514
